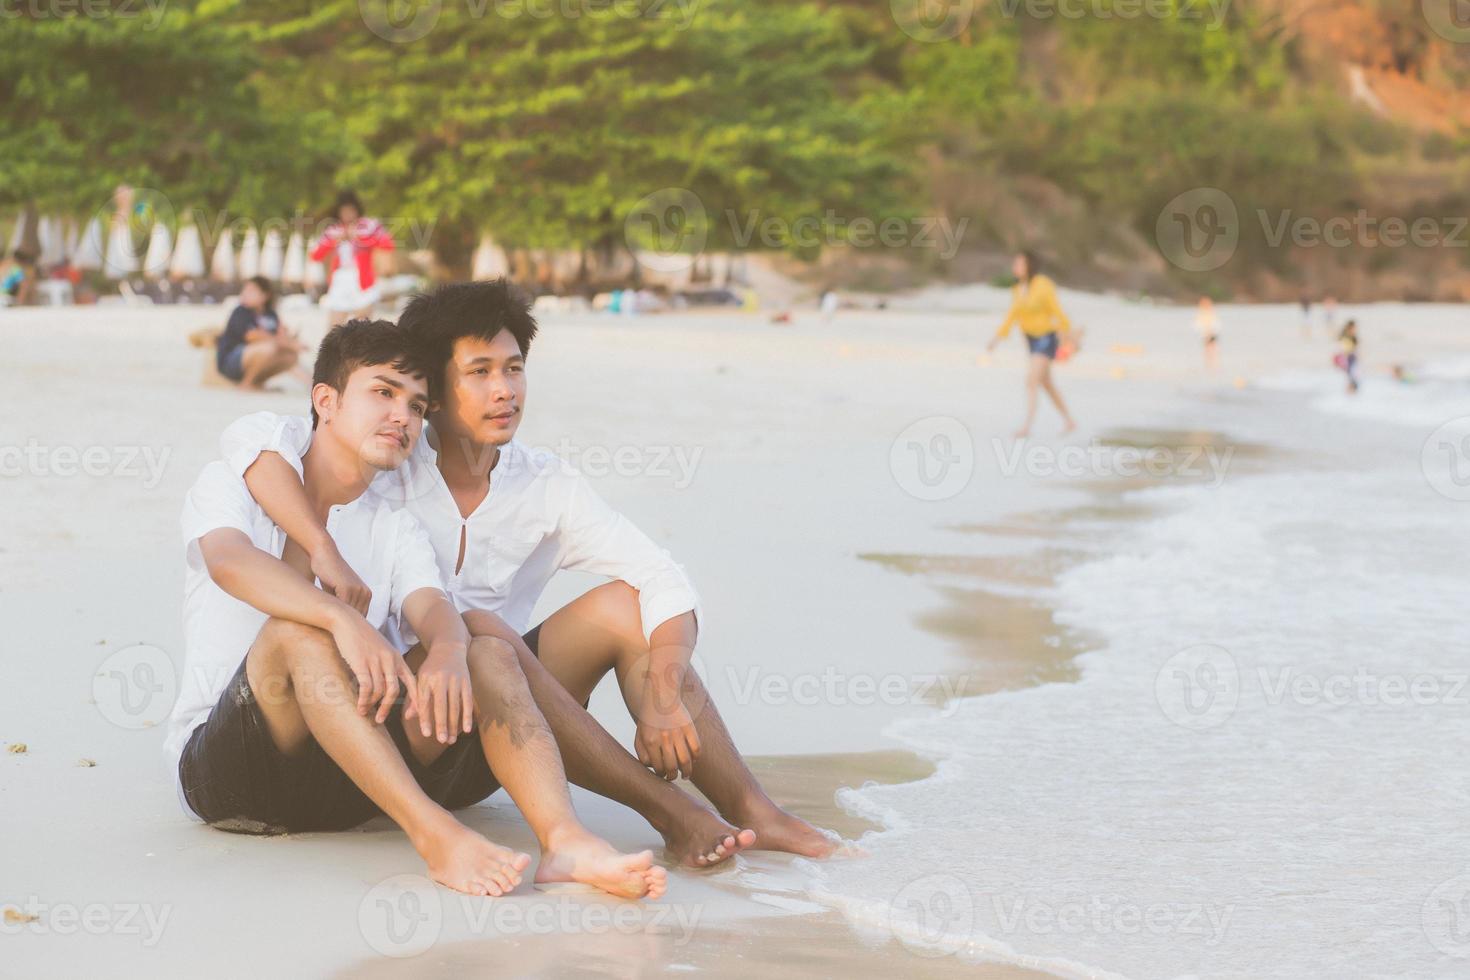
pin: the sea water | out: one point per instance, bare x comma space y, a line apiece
1264, 768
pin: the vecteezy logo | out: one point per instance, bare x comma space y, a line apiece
135, 687
933, 459
932, 20
401, 916
1445, 459
667, 229
1450, 19
399, 21
933, 916
1445, 917
1198, 230
1198, 687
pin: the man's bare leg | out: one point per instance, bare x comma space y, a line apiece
304, 690
595, 761
603, 630
522, 754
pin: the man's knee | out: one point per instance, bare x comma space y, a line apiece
492, 658
615, 607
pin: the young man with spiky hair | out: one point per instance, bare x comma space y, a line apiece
503, 519
268, 734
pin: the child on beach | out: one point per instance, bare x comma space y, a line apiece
1347, 359
1207, 322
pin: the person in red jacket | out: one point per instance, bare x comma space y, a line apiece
348, 245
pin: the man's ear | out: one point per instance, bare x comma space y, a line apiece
324, 400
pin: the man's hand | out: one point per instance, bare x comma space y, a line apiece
338, 578
445, 695
666, 740
379, 669
668, 745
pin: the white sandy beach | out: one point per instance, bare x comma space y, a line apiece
789, 469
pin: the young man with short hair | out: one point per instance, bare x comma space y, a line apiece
503, 519
268, 735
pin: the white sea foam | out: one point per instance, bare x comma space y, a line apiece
1261, 773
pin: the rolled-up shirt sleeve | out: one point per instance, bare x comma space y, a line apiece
247, 437
595, 538
414, 568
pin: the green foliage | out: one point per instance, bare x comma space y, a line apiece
166, 103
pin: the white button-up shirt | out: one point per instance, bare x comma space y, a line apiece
383, 544
539, 517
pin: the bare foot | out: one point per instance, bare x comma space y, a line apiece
579, 856
777, 830
1022, 433
703, 840
463, 860
1069, 428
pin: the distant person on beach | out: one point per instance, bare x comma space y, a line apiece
1347, 359
18, 282
503, 519
830, 302
1035, 307
255, 346
349, 245
1207, 322
1306, 304
1329, 316
289, 719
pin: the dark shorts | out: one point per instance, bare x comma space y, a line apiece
232, 363
236, 779
1045, 345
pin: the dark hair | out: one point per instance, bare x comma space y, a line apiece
24, 257
345, 198
1033, 264
438, 318
359, 343
264, 285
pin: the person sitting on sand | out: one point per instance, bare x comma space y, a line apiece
503, 519
18, 280
268, 734
1034, 306
255, 346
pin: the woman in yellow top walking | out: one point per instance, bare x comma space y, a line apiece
1034, 306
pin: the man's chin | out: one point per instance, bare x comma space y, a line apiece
384, 460
496, 435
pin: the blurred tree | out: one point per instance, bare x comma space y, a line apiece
551, 124
169, 102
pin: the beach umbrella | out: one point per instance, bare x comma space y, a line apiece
53, 242
222, 267
122, 257
489, 260
316, 275
272, 256
160, 244
188, 258
248, 263
88, 255
293, 269
73, 237
17, 233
